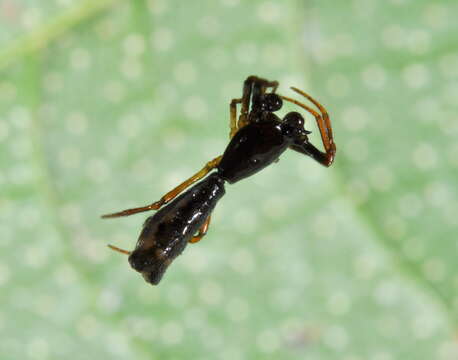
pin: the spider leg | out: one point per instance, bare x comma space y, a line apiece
233, 118
324, 126
171, 194
324, 158
202, 231
122, 251
253, 88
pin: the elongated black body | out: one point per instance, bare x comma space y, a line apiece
258, 138
168, 231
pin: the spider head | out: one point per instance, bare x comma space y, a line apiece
293, 127
270, 102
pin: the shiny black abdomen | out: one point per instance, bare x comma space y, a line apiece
166, 233
252, 148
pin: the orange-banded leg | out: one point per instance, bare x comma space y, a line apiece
171, 194
324, 125
202, 231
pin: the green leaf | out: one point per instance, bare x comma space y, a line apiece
107, 105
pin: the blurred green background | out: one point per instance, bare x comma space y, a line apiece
108, 104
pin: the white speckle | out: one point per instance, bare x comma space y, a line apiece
176, 139
97, 170
434, 269
80, 59
217, 58
171, 333
436, 15
106, 29
374, 76
195, 108
134, 45
358, 190
382, 355
387, 293
88, 327
4, 130
425, 325
338, 303
185, 72
8, 91
270, 12
230, 3
427, 109
109, 301
356, 149
35, 257
419, 41
394, 226
247, 53
44, 304
268, 341
209, 26
116, 344
20, 174
416, 76
275, 207
425, 157
448, 65
163, 39
129, 126
366, 265
113, 91
438, 194
211, 293
338, 85
381, 178
389, 326
158, 7
32, 17
242, 261
69, 157
354, 118
131, 68
344, 44
410, 205
65, 275
4, 274
20, 117
64, 3
394, 37
414, 248
76, 123
53, 82
449, 124
237, 309
274, 55
20, 148
324, 226
38, 348
336, 337
245, 221
196, 262
178, 295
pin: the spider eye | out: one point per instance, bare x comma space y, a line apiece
271, 102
